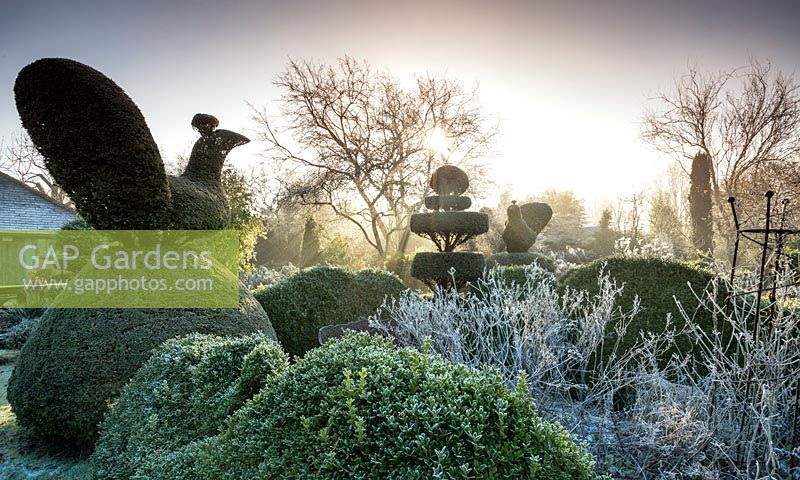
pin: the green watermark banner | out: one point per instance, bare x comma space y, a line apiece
119, 269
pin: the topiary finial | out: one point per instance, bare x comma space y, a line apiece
204, 123
449, 180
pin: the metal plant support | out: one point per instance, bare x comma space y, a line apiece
771, 240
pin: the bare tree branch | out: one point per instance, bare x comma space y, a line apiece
355, 140
21, 160
746, 119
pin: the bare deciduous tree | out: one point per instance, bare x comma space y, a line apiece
746, 119
21, 160
629, 216
355, 140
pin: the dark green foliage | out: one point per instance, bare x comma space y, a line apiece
466, 223
87, 129
309, 252
323, 295
76, 224
447, 202
655, 282
604, 240
78, 360
517, 235
449, 180
358, 408
522, 259
181, 394
196, 206
8, 318
204, 123
16, 326
536, 214
433, 268
198, 197
700, 204
14, 316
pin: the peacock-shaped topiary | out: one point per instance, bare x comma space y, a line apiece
523, 225
97, 146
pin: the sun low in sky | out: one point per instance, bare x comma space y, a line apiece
567, 82
437, 141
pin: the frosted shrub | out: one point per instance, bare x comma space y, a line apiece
263, 276
735, 420
528, 327
656, 248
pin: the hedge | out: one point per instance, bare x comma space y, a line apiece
77, 361
323, 295
359, 408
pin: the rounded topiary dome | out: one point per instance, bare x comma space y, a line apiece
183, 393
360, 408
320, 296
658, 284
78, 360
449, 180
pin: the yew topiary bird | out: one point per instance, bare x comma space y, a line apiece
524, 224
97, 146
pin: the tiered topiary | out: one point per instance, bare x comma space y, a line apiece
321, 296
359, 408
98, 147
183, 393
448, 226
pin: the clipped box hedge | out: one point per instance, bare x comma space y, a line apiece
183, 393
434, 267
77, 361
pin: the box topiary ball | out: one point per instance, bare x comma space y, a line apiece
359, 408
183, 393
320, 296
658, 284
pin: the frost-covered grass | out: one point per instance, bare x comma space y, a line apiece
18, 460
736, 419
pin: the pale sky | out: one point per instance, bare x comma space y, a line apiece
567, 81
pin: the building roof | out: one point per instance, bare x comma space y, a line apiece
23, 207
